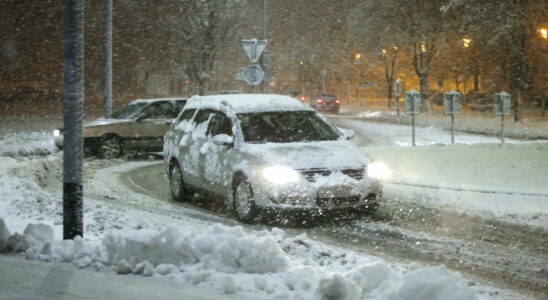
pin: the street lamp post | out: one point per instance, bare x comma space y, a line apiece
73, 89
108, 62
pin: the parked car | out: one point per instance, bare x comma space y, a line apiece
325, 102
267, 153
139, 125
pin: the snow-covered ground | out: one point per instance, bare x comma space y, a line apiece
476, 175
227, 259
532, 125
137, 234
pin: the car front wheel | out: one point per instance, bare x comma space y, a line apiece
178, 190
110, 147
244, 202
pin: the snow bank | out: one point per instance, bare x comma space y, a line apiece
25, 144
532, 126
231, 260
507, 183
223, 248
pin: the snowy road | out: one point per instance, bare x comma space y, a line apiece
510, 255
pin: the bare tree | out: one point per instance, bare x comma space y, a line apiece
507, 26
204, 26
416, 25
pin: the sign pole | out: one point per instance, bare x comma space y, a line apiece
73, 89
413, 107
502, 108
452, 129
398, 86
452, 106
108, 62
413, 120
502, 129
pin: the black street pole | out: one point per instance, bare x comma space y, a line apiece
73, 88
264, 83
108, 62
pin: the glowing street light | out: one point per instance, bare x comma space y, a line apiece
466, 42
544, 33
423, 47
301, 63
383, 51
357, 56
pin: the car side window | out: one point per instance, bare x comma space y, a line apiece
158, 110
186, 115
202, 116
220, 124
179, 105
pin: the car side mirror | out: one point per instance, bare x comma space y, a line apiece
347, 134
223, 139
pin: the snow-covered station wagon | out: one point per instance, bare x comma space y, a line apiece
267, 153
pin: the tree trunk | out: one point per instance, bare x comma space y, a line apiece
517, 68
476, 79
390, 86
423, 89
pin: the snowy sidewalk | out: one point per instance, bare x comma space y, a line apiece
26, 279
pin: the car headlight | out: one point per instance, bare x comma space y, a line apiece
280, 174
378, 170
56, 132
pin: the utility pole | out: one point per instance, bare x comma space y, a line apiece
73, 88
108, 62
264, 83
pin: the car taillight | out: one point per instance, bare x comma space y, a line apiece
319, 100
337, 101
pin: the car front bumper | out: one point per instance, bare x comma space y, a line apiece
305, 196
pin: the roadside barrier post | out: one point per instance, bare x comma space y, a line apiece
413, 107
502, 106
452, 106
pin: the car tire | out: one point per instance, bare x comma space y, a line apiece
244, 201
177, 186
110, 147
369, 209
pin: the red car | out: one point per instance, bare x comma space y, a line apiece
325, 102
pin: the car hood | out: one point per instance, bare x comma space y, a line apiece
103, 122
334, 155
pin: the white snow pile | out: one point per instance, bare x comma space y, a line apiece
24, 144
29, 193
231, 260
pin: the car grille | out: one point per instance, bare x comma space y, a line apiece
310, 174
337, 201
354, 173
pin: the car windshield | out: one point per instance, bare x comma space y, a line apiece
285, 127
129, 111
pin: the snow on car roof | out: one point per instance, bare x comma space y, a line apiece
241, 103
157, 99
